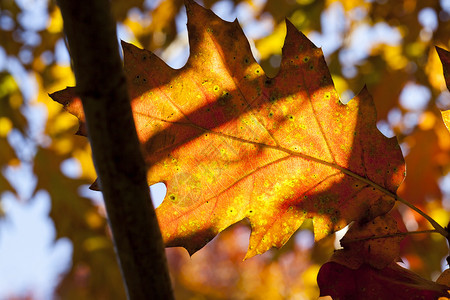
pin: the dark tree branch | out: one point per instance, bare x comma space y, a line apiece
91, 34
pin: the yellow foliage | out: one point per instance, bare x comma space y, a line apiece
304, 2
84, 156
62, 76
5, 126
416, 49
394, 57
63, 145
349, 4
446, 118
433, 69
272, 44
427, 120
440, 215
55, 22
7, 86
94, 220
340, 84
309, 278
443, 132
96, 243
61, 123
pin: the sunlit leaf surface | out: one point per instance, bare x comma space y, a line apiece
231, 143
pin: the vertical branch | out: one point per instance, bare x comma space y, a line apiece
101, 84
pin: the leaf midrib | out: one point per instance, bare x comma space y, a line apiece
287, 151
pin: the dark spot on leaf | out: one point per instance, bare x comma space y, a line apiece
221, 101
246, 60
305, 59
311, 67
268, 82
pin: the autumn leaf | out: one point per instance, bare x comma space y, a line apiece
444, 278
231, 143
444, 55
392, 282
362, 244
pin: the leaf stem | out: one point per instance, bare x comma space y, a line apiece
390, 235
433, 223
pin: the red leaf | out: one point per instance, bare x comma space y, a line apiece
392, 282
362, 244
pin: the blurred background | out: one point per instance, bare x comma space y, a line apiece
54, 241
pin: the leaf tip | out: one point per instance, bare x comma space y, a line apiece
289, 25
191, 6
95, 186
64, 96
295, 39
441, 51
127, 47
364, 91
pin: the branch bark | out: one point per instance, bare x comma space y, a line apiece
101, 84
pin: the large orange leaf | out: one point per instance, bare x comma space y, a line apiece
231, 143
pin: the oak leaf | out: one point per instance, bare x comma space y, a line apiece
362, 244
366, 282
444, 278
231, 143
